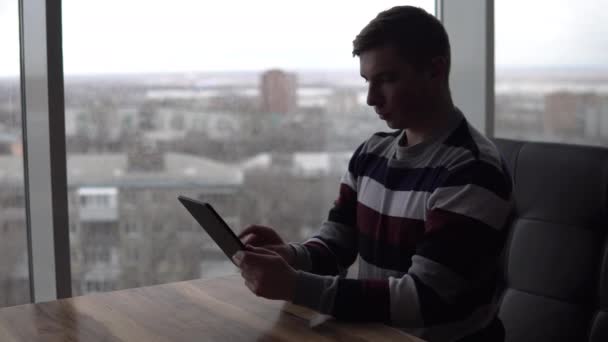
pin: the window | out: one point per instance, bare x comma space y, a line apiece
130, 227
73, 228
133, 255
97, 254
13, 235
246, 115
552, 78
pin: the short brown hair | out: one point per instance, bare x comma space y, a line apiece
417, 35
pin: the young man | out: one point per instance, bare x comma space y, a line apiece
423, 207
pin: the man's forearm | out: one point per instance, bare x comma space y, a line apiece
347, 299
300, 258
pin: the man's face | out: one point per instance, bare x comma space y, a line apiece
399, 94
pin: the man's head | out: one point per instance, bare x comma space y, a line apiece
405, 56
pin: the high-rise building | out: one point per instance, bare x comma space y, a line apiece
278, 90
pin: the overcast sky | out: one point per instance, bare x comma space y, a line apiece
117, 36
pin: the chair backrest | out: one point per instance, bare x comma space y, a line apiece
556, 256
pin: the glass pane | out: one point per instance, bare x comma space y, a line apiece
255, 110
14, 273
552, 71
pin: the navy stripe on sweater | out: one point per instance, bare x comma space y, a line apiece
436, 310
476, 172
461, 137
482, 174
404, 179
461, 243
385, 256
353, 163
344, 210
362, 300
322, 260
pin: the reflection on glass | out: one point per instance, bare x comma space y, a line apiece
256, 114
14, 273
552, 85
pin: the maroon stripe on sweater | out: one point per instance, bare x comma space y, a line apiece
345, 207
387, 241
347, 196
397, 231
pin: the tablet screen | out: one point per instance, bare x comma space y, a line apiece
214, 225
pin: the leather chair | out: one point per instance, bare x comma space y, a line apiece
556, 254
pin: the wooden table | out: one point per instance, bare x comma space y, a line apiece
220, 309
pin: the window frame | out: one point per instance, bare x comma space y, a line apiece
43, 113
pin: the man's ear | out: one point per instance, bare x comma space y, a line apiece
439, 68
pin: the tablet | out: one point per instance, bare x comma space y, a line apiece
214, 225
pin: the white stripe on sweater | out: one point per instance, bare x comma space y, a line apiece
472, 201
442, 155
349, 180
444, 281
405, 306
409, 204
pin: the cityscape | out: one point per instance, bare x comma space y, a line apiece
263, 147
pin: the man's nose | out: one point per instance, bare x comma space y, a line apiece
374, 97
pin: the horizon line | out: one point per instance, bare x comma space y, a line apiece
499, 68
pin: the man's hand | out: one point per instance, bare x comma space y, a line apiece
266, 273
260, 236
268, 238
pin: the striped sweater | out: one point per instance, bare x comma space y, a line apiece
426, 222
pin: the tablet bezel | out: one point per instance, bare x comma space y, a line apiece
196, 208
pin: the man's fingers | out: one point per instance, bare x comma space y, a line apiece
247, 239
251, 235
254, 240
254, 230
245, 232
260, 250
253, 259
274, 248
251, 286
250, 274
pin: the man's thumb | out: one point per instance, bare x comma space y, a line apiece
260, 250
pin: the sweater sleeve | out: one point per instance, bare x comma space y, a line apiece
453, 270
334, 248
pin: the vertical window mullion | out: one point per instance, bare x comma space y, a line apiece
470, 26
44, 149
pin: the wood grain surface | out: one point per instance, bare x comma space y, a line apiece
220, 309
